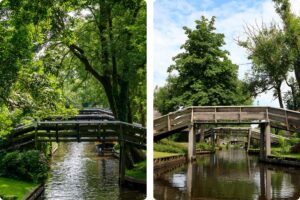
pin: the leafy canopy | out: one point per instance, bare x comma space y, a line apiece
204, 73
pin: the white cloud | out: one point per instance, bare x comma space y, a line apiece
232, 16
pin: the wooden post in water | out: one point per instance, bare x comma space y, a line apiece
262, 142
265, 140
249, 139
213, 133
268, 139
122, 161
268, 184
192, 143
202, 132
262, 183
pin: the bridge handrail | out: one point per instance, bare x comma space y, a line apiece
286, 119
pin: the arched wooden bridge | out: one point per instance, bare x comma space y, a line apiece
193, 119
89, 126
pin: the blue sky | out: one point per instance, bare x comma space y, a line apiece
232, 16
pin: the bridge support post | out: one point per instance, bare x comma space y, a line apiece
202, 132
191, 174
122, 161
265, 140
249, 139
192, 143
213, 133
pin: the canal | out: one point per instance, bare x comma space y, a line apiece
77, 172
228, 174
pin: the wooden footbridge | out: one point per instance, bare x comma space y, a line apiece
250, 133
89, 126
194, 118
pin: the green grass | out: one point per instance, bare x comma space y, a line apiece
276, 151
138, 172
158, 154
169, 146
203, 146
11, 187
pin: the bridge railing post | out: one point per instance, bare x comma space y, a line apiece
35, 124
249, 139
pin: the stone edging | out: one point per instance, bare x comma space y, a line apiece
35, 193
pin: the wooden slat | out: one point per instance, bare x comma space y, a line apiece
205, 116
277, 118
253, 116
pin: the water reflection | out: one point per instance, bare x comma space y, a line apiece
78, 173
229, 174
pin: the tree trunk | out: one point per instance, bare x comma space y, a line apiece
297, 70
279, 95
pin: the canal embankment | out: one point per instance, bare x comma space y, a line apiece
233, 174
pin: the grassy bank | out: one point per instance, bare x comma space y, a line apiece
169, 146
138, 172
277, 151
15, 188
158, 154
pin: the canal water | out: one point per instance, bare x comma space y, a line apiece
229, 174
77, 172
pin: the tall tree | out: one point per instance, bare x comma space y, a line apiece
206, 76
291, 24
117, 30
270, 59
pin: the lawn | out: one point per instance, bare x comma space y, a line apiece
11, 187
158, 154
138, 172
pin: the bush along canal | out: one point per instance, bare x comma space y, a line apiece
77, 172
228, 174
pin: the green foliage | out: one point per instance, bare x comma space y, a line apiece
270, 57
204, 146
291, 26
166, 145
284, 145
58, 56
29, 165
206, 76
138, 171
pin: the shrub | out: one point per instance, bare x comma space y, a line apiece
29, 165
204, 146
284, 146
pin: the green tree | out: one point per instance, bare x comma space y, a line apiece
291, 24
206, 76
292, 30
270, 59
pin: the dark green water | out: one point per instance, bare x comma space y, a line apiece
78, 173
230, 174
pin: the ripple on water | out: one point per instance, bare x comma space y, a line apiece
77, 173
